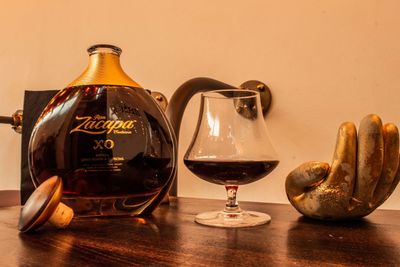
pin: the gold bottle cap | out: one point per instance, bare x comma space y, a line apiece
44, 205
104, 68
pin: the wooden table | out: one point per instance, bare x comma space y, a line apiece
171, 238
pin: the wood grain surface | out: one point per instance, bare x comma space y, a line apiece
171, 238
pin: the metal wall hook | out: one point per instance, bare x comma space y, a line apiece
263, 89
15, 121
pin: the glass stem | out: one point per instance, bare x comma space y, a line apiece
231, 203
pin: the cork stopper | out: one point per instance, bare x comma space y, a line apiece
44, 205
62, 216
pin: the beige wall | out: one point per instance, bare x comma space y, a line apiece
326, 62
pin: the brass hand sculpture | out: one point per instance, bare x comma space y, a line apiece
364, 173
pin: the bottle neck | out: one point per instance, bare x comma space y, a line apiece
104, 68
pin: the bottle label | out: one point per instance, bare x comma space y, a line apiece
102, 152
100, 125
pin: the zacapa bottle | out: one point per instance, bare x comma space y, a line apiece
108, 140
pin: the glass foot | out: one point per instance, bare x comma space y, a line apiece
232, 219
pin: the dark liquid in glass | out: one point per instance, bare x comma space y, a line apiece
231, 172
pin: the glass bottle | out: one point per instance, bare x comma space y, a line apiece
108, 140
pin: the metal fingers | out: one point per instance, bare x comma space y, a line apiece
369, 158
304, 178
390, 164
343, 169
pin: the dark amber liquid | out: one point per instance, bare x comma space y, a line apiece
231, 172
136, 158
